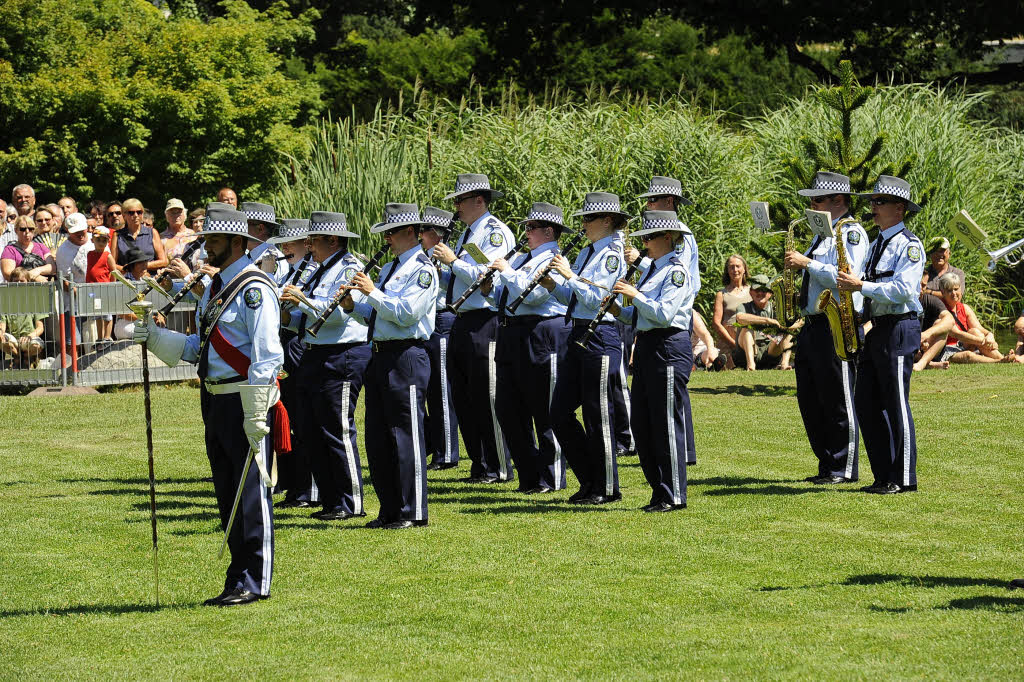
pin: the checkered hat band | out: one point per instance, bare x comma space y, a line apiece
471, 187
260, 216
662, 189
602, 207
435, 220
659, 224
226, 225
292, 232
837, 187
402, 218
542, 215
327, 226
900, 192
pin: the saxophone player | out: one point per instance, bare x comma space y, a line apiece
824, 382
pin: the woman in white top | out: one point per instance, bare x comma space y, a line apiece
734, 292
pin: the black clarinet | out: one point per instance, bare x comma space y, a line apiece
333, 304
189, 282
574, 241
609, 301
483, 279
185, 255
446, 235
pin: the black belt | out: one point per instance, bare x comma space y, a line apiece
230, 380
526, 319
893, 319
479, 311
396, 346
332, 347
660, 332
586, 323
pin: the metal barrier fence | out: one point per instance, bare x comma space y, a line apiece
87, 339
31, 337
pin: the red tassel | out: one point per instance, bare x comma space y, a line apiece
282, 429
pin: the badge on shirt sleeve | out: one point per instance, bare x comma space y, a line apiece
253, 298
612, 263
496, 239
348, 274
853, 237
678, 278
425, 279
914, 253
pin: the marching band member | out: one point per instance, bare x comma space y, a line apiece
891, 286
262, 224
824, 383
239, 356
399, 311
474, 333
662, 305
296, 476
531, 347
331, 371
588, 375
441, 424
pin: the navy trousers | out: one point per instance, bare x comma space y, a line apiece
530, 351
620, 397
396, 389
586, 379
662, 421
883, 399
331, 377
824, 391
251, 541
473, 374
296, 476
442, 424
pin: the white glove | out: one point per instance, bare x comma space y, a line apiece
256, 403
165, 344
141, 334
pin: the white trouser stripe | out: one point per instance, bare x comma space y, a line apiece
904, 421
553, 376
492, 389
670, 416
606, 431
414, 422
350, 456
268, 544
851, 418
445, 407
625, 395
314, 492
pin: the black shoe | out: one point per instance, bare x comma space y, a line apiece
215, 601
292, 504
481, 479
441, 466
873, 488
888, 489
319, 514
1016, 584
339, 515
579, 496
827, 480
908, 488
433, 466
240, 596
598, 498
208, 479
405, 523
665, 507
623, 452
376, 523
538, 490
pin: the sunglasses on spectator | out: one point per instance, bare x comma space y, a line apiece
649, 237
882, 201
113, 213
26, 229
133, 212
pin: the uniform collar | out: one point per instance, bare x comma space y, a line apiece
845, 215
604, 241
479, 221
411, 253
664, 260
547, 246
228, 273
889, 232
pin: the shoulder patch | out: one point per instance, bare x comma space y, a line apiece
611, 263
253, 297
306, 274
914, 253
496, 239
425, 279
348, 273
678, 278
853, 237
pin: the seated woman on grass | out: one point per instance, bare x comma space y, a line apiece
968, 342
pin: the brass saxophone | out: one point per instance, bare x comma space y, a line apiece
841, 316
783, 287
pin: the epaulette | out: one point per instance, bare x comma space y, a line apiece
423, 259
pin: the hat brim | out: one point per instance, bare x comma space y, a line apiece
335, 233
276, 226
495, 194
911, 206
820, 192
285, 240
538, 220
234, 233
654, 230
682, 199
577, 214
384, 227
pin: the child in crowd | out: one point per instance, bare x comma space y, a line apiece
99, 265
21, 335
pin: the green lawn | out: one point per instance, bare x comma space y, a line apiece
762, 576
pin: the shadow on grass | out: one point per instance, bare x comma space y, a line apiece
171, 504
534, 508
926, 581
85, 609
758, 390
114, 492
768, 490
739, 480
130, 481
168, 518
1007, 604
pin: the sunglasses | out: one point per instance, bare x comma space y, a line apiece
882, 201
822, 200
649, 237
534, 226
651, 200
394, 230
590, 218
26, 229
113, 213
133, 212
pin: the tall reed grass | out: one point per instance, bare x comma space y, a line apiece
559, 149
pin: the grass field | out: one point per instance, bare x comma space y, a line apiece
763, 576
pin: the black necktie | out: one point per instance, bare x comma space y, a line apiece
650, 271
373, 316
572, 300
204, 358
876, 255
451, 279
504, 292
805, 283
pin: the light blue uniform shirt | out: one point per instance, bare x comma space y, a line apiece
444, 274
280, 266
539, 301
901, 265
250, 323
307, 267
822, 268
405, 305
604, 267
340, 327
666, 297
495, 240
